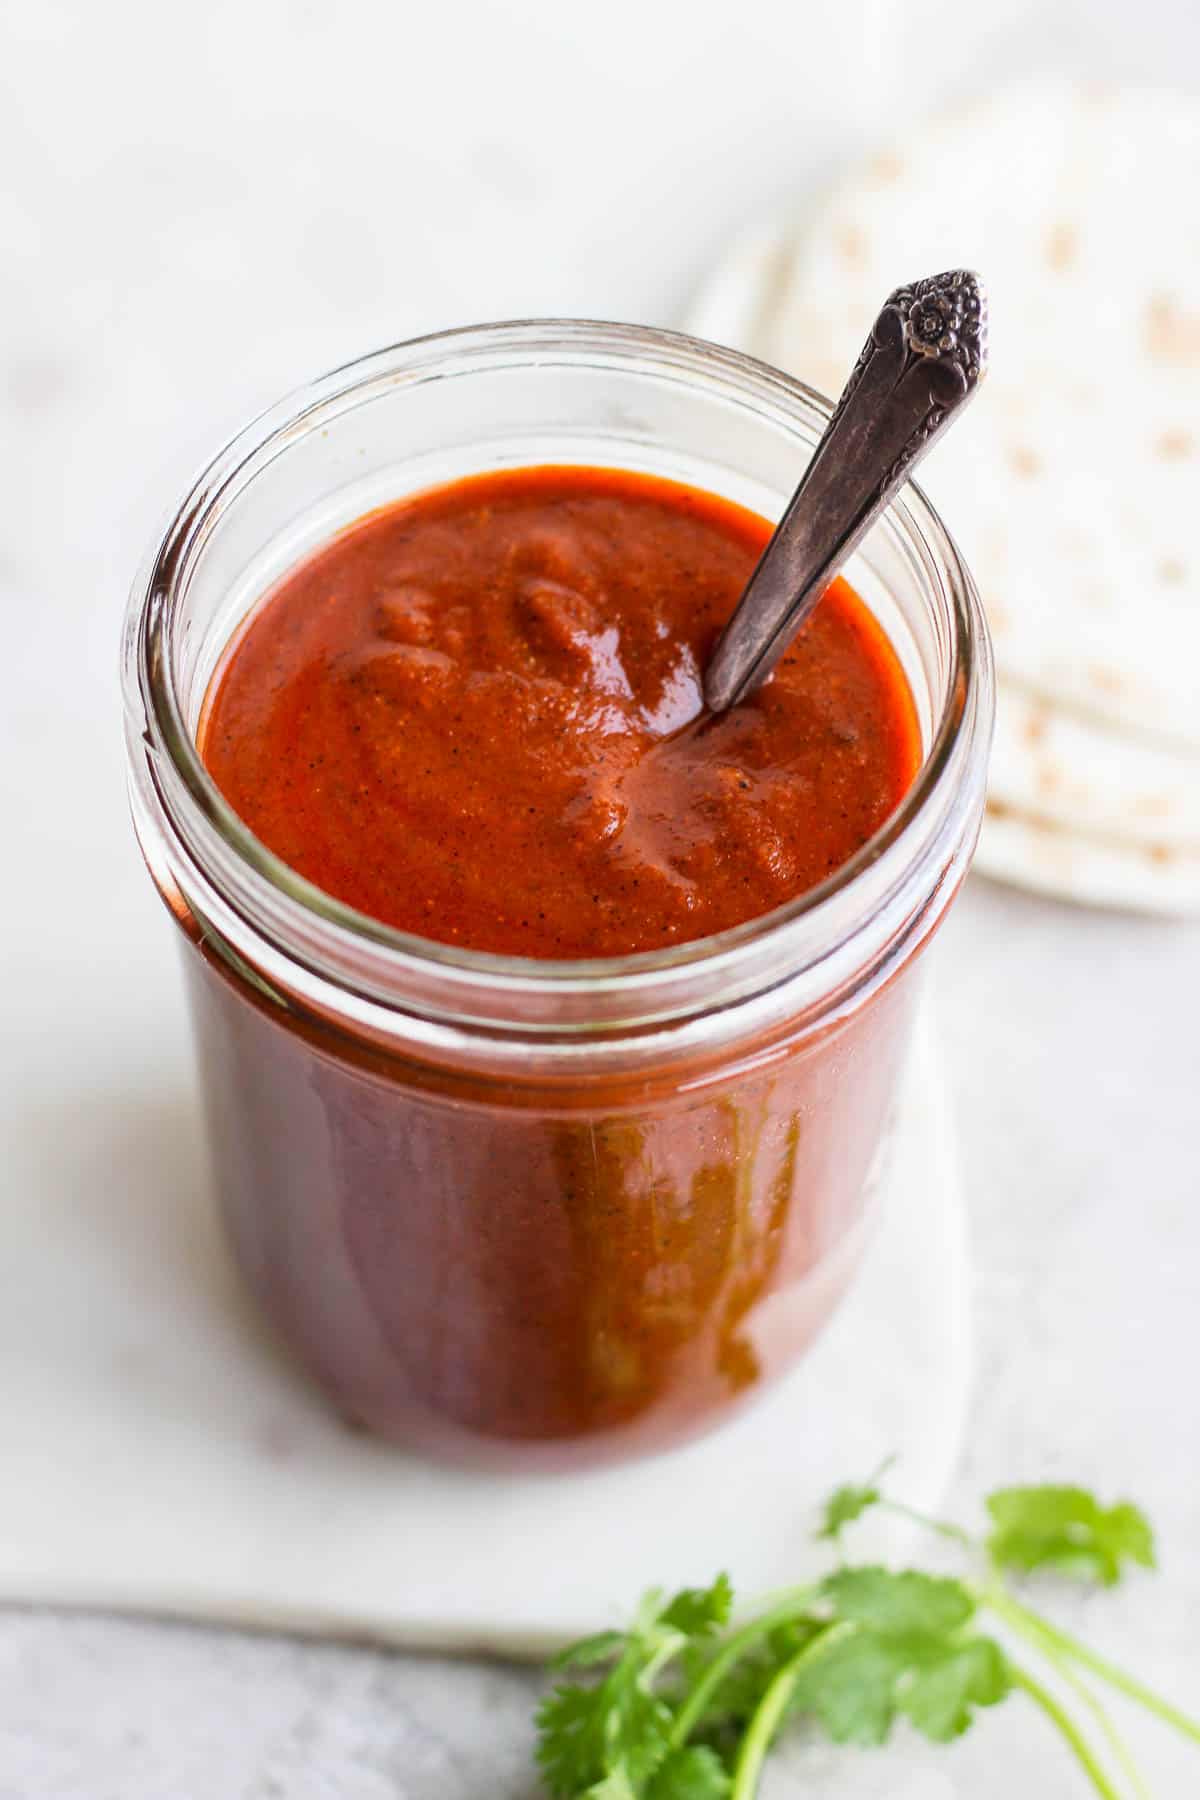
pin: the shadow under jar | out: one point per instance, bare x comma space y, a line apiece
523, 1212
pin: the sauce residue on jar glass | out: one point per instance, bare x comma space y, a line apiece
476, 715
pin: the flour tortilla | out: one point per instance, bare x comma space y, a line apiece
1070, 865
1073, 487
1080, 809
1087, 813
1076, 774
1058, 481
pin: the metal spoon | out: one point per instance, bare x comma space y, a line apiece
925, 357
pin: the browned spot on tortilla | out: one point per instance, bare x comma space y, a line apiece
1161, 853
1034, 729
1049, 778
1171, 334
1024, 461
1175, 445
1109, 681
1171, 570
851, 246
886, 166
1062, 246
1000, 809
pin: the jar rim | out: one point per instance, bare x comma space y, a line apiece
288, 906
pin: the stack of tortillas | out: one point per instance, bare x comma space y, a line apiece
1073, 484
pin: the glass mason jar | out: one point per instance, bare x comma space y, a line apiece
522, 1212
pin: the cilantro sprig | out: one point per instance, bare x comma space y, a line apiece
613, 1740
681, 1707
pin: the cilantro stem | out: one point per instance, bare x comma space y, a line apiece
666, 1653
1036, 1629
943, 1527
1067, 1728
771, 1708
1116, 1743
788, 1607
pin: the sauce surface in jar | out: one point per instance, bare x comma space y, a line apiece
476, 715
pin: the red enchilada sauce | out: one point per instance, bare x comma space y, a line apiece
476, 715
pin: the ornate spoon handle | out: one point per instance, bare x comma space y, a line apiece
925, 357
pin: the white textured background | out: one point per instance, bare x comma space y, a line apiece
200, 207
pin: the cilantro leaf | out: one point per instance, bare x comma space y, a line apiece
904, 1654
739, 1694
571, 1739
941, 1688
693, 1774
844, 1506
613, 1787
695, 1611
588, 1651
1066, 1528
616, 1728
897, 1605
643, 1733
851, 1688
608, 1739
859, 1686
